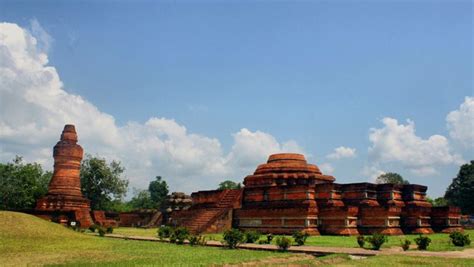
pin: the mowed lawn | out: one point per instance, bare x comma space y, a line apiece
27, 240
439, 242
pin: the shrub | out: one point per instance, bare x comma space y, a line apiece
300, 237
197, 240
164, 232
93, 227
283, 243
110, 230
101, 231
377, 240
179, 235
422, 242
269, 238
459, 239
262, 242
361, 241
232, 238
405, 244
251, 236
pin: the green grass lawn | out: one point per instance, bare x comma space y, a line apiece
27, 240
439, 242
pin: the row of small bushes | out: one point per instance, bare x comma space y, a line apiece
101, 230
377, 240
233, 237
179, 234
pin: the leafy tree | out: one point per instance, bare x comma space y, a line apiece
158, 190
228, 184
391, 178
440, 202
22, 184
142, 200
101, 182
461, 191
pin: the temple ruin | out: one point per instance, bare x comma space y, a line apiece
287, 194
64, 201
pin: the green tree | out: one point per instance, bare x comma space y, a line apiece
461, 191
142, 200
391, 178
101, 182
158, 190
228, 184
22, 184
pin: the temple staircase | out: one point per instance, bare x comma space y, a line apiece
198, 219
155, 220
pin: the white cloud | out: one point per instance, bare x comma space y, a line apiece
342, 152
34, 108
326, 168
461, 123
398, 143
372, 172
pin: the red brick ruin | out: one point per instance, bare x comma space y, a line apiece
287, 194
64, 201
282, 196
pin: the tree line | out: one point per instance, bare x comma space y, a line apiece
103, 183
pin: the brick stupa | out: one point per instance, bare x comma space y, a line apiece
64, 201
280, 196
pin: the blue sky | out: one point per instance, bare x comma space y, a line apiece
321, 74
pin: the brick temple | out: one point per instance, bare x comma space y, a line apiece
64, 201
287, 194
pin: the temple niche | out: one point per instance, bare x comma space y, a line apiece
64, 201
286, 194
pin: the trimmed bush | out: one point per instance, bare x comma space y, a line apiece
232, 238
180, 234
101, 231
361, 241
283, 243
93, 227
405, 244
197, 240
300, 237
164, 232
422, 242
269, 238
459, 239
110, 230
377, 240
251, 236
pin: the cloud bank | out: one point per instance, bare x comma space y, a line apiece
35, 106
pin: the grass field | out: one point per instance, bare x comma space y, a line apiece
27, 240
439, 242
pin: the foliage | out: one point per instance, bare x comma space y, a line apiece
459, 239
101, 231
118, 205
101, 182
22, 184
110, 230
197, 240
422, 242
93, 227
461, 191
269, 238
391, 178
361, 241
300, 237
377, 240
251, 236
283, 243
142, 200
164, 232
179, 235
405, 244
228, 184
232, 238
158, 190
